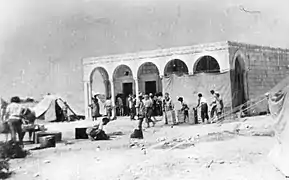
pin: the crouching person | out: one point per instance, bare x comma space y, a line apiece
141, 116
96, 132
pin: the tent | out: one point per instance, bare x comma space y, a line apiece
279, 109
49, 109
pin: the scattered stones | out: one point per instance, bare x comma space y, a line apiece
249, 126
68, 143
221, 162
47, 161
161, 139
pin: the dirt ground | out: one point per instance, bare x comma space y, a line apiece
206, 154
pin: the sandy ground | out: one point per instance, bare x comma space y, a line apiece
226, 157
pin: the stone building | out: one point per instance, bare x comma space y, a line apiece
253, 69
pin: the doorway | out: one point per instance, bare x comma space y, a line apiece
239, 90
150, 87
127, 89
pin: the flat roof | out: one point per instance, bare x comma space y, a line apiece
179, 50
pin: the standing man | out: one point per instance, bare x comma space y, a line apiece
153, 107
120, 106
130, 106
108, 107
202, 102
220, 106
14, 118
168, 108
184, 108
213, 105
148, 110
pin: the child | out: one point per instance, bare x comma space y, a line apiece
184, 108
96, 132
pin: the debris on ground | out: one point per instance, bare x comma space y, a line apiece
46, 161
12, 150
68, 143
161, 139
4, 169
210, 164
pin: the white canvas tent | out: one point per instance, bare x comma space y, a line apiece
279, 109
49, 109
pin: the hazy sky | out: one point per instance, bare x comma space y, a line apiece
42, 42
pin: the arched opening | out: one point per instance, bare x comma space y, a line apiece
100, 82
207, 64
177, 67
100, 85
123, 84
148, 78
238, 82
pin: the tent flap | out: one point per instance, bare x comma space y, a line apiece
46, 109
279, 109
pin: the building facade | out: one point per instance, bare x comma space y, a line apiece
254, 69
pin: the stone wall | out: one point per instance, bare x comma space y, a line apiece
265, 67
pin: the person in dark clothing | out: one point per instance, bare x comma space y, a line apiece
213, 104
29, 118
96, 132
202, 102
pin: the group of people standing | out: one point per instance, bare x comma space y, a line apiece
95, 108
216, 107
128, 108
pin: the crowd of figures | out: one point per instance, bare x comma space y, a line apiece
159, 105
130, 107
145, 108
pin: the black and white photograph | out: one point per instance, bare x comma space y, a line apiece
144, 89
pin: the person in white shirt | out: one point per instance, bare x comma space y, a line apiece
108, 107
202, 102
14, 118
148, 103
96, 132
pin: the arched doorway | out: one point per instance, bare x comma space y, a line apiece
238, 82
177, 67
100, 85
148, 78
206, 64
123, 84
100, 82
